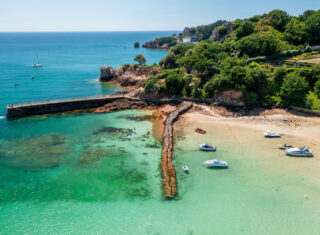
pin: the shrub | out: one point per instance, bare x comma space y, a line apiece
293, 90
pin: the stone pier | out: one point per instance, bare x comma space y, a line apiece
168, 171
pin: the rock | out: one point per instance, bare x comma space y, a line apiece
121, 104
107, 74
215, 36
230, 97
129, 76
136, 44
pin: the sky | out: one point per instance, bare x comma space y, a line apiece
128, 15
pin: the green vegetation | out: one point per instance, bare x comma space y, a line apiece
244, 60
140, 59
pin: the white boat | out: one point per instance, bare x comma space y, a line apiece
37, 65
299, 152
216, 163
270, 134
185, 168
207, 147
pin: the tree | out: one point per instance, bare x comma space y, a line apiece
278, 19
293, 90
313, 27
222, 30
259, 45
140, 59
150, 85
236, 24
317, 88
296, 32
245, 29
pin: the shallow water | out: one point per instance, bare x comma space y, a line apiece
103, 183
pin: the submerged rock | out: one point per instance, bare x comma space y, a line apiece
93, 154
34, 153
111, 130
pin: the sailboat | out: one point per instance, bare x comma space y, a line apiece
37, 64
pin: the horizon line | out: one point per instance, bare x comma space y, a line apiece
91, 31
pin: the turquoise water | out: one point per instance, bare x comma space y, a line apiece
79, 174
71, 63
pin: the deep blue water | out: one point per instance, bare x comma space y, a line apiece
71, 63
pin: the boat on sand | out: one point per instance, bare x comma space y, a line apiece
270, 134
299, 152
285, 146
199, 130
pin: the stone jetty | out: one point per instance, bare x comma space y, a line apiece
168, 171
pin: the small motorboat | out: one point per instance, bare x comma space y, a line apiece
185, 168
16, 84
37, 65
199, 130
207, 147
269, 134
285, 146
216, 163
299, 152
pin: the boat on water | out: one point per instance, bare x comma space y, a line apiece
37, 65
16, 84
185, 168
285, 146
207, 147
216, 163
199, 130
299, 152
270, 134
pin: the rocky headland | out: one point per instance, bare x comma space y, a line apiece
128, 76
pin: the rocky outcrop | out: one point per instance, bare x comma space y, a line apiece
155, 45
137, 44
107, 74
167, 168
230, 97
128, 75
215, 36
121, 104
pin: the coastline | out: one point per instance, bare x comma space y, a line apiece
304, 127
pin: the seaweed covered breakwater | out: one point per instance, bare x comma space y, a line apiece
25, 110
168, 171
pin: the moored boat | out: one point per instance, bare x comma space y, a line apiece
299, 152
207, 147
199, 130
270, 134
185, 168
216, 163
36, 65
285, 146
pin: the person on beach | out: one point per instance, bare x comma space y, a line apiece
134, 130
129, 137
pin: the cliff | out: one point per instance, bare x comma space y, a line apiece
130, 76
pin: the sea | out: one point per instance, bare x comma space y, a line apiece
78, 173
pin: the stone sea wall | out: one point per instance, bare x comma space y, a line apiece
168, 171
